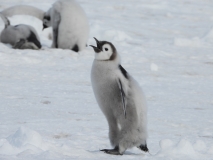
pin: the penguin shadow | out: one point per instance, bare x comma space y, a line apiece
135, 154
95, 151
129, 153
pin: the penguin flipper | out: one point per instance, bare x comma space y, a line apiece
56, 21
123, 96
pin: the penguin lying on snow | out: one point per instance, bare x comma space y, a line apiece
20, 36
69, 23
121, 100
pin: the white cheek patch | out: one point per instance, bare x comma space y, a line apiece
102, 56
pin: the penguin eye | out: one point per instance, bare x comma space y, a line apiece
106, 49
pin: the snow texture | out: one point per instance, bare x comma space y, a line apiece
47, 106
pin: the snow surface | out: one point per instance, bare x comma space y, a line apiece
47, 106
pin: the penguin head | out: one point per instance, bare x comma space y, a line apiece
46, 21
104, 51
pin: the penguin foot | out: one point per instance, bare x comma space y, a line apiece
143, 148
114, 151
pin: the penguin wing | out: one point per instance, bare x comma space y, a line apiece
123, 96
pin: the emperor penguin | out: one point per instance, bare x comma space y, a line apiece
121, 100
69, 23
19, 36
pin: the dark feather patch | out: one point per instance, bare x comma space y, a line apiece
47, 18
75, 48
113, 56
144, 147
32, 38
123, 71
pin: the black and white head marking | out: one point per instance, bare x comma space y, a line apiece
46, 21
104, 51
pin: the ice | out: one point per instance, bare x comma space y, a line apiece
25, 136
24, 141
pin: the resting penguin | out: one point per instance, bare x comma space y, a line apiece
121, 100
69, 23
20, 36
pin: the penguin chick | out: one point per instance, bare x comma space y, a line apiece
20, 36
121, 100
69, 23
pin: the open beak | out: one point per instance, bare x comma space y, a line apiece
98, 48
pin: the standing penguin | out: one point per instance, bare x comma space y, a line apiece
20, 36
69, 23
121, 100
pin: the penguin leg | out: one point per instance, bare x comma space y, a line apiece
144, 147
56, 21
113, 135
129, 136
113, 130
114, 151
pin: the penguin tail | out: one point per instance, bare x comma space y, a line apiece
5, 19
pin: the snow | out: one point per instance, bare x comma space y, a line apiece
47, 106
153, 67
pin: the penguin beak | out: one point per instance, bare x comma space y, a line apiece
44, 26
98, 48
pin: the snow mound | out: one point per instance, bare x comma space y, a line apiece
25, 136
28, 143
182, 148
204, 41
22, 140
200, 146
